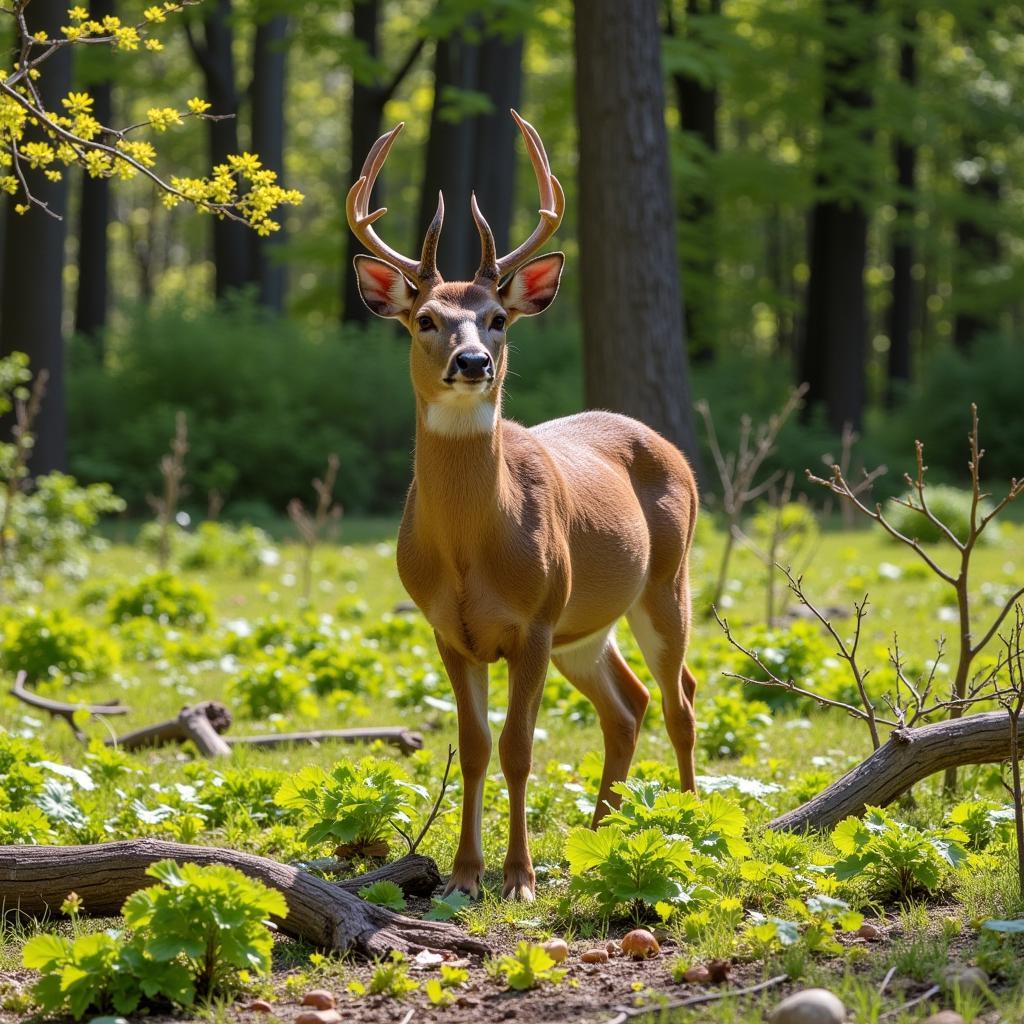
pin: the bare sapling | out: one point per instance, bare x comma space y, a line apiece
172, 471
847, 442
738, 470
22, 440
1012, 698
311, 526
967, 648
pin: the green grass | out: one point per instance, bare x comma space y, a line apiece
798, 750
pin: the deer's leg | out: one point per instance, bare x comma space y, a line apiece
661, 624
469, 682
599, 672
526, 670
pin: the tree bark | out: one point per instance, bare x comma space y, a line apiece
634, 351
901, 308
34, 880
215, 57
909, 756
269, 78
31, 300
835, 321
93, 291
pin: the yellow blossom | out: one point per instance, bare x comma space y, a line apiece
161, 118
77, 103
154, 14
198, 106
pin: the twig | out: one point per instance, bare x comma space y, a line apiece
413, 846
310, 527
933, 991
885, 981
627, 1012
60, 709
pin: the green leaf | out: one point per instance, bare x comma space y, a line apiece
1015, 926
445, 909
384, 894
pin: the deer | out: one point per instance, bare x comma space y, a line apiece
528, 545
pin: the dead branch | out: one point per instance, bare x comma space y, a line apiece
60, 709
656, 1009
34, 880
201, 723
407, 740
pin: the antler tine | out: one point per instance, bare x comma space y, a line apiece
360, 218
552, 201
428, 257
488, 270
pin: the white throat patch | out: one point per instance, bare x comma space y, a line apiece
461, 418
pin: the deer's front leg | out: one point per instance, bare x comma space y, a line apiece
526, 671
469, 682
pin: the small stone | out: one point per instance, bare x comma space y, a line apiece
811, 1006
944, 1017
319, 1017
969, 980
871, 932
259, 1006
698, 975
319, 999
640, 944
595, 956
556, 949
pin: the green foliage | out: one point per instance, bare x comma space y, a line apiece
163, 597
26, 825
983, 821
391, 978
215, 545
358, 802
445, 908
527, 968
893, 859
439, 990
950, 505
812, 922
730, 726
55, 645
384, 894
272, 688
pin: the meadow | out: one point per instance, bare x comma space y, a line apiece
231, 623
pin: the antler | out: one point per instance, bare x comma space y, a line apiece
360, 219
552, 206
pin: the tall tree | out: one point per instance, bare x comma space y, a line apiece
634, 341
902, 304
214, 54
835, 320
31, 299
269, 77
93, 292
372, 87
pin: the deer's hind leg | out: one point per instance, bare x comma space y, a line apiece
597, 669
660, 621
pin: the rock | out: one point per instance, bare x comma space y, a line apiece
944, 1017
426, 960
556, 949
871, 932
640, 944
698, 975
259, 1006
969, 980
319, 1017
595, 956
319, 999
811, 1006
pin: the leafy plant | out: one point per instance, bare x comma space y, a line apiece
950, 504
984, 821
814, 923
272, 688
730, 726
384, 894
893, 858
391, 978
525, 969
358, 803
25, 826
444, 908
53, 644
439, 990
163, 597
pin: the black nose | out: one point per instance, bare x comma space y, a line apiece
473, 364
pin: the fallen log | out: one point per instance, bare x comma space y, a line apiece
34, 880
62, 709
909, 756
201, 723
406, 740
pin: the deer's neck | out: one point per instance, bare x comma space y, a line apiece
459, 469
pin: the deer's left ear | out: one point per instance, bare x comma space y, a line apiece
533, 287
383, 288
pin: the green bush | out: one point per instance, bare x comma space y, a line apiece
272, 688
164, 598
951, 505
54, 644
215, 545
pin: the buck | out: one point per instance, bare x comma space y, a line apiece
528, 545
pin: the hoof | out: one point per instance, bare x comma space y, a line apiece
520, 884
466, 881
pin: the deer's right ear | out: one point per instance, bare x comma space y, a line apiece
384, 289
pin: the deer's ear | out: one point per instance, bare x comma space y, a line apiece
384, 289
532, 288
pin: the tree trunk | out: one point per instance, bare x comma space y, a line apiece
31, 302
835, 322
978, 250
215, 58
94, 218
269, 77
36, 879
698, 116
634, 341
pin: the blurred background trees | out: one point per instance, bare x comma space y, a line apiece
815, 190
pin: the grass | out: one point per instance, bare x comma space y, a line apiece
796, 752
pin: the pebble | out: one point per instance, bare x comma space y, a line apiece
871, 932
698, 975
595, 956
319, 999
640, 944
811, 1006
319, 1017
944, 1017
970, 980
259, 1006
556, 949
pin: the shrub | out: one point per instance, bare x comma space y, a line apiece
215, 545
272, 688
163, 597
54, 644
952, 505
730, 727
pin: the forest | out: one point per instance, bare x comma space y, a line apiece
246, 714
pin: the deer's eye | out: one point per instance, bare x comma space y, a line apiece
424, 323
498, 323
